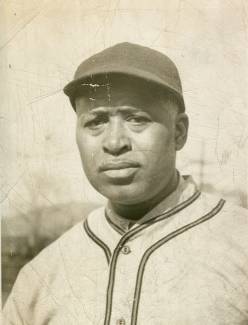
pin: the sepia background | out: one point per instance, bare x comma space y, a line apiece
43, 188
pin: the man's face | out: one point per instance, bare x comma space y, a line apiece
127, 140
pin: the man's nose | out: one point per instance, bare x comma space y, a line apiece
116, 140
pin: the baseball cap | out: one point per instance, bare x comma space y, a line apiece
132, 60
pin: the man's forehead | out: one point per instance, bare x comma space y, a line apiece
108, 109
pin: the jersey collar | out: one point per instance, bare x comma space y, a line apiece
185, 189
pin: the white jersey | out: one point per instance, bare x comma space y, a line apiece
187, 266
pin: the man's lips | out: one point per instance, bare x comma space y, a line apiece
119, 170
119, 164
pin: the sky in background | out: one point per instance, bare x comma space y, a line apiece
43, 42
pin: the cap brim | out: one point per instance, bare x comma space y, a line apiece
71, 88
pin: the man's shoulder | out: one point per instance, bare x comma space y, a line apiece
50, 272
229, 222
229, 208
70, 244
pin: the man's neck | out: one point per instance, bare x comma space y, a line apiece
137, 211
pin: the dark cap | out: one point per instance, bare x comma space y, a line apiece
132, 60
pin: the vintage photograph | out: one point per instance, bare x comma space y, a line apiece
124, 162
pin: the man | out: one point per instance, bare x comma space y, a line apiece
160, 252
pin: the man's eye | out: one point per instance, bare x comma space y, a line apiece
93, 124
138, 119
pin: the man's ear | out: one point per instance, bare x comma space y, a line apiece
181, 130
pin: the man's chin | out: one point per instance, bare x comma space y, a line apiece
123, 192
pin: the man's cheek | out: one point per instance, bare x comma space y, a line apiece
90, 161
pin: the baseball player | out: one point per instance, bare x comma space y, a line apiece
160, 252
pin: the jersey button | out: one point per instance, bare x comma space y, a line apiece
121, 321
126, 250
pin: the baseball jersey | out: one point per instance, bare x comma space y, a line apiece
187, 264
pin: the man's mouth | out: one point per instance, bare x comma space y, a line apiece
119, 169
118, 164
